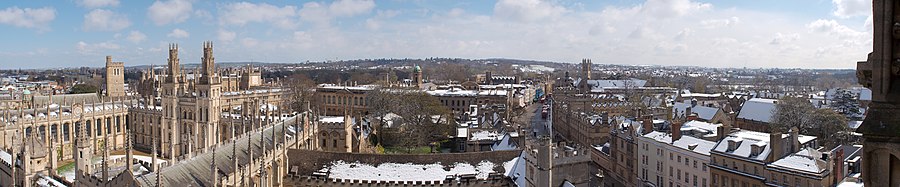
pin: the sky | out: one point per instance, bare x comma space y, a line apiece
753, 34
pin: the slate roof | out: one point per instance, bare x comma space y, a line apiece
196, 171
703, 112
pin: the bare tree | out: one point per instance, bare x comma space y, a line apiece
302, 90
829, 126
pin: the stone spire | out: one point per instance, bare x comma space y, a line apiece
154, 165
233, 149
129, 156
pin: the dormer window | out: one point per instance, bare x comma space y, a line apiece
733, 144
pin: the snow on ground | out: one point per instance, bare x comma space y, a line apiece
405, 172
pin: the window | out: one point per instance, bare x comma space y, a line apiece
704, 182
679, 158
695, 164
670, 156
670, 171
678, 175
695, 180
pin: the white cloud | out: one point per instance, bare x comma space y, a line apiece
243, 12
171, 11
672, 8
88, 48
35, 18
717, 23
226, 36
322, 14
684, 34
97, 3
851, 8
527, 10
351, 7
834, 28
249, 42
105, 20
178, 33
136, 37
784, 38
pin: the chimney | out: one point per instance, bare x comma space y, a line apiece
691, 117
721, 132
676, 131
647, 124
777, 145
795, 142
687, 111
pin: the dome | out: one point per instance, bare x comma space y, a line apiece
27, 92
417, 69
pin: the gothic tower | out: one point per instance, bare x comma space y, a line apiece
881, 127
171, 90
115, 78
586, 69
209, 92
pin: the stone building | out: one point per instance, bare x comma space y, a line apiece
115, 78
679, 157
758, 159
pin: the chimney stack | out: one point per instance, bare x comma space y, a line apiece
795, 141
676, 131
777, 145
647, 124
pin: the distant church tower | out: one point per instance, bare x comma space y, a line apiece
586, 69
417, 76
115, 78
583, 85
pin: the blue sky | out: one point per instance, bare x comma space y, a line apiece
762, 33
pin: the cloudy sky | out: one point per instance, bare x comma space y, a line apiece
758, 33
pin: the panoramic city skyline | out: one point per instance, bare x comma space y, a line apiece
771, 34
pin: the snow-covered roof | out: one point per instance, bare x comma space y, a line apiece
854, 124
505, 143
703, 112
405, 171
331, 119
806, 160
685, 142
744, 140
758, 109
600, 84
484, 135
515, 169
6, 157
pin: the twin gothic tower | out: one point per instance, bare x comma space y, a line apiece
190, 105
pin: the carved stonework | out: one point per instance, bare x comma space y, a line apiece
881, 73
